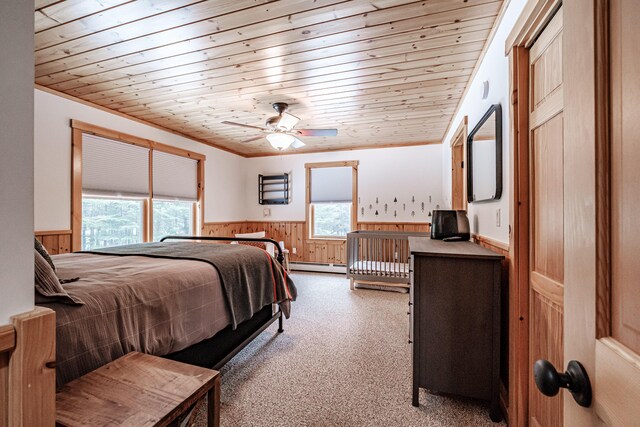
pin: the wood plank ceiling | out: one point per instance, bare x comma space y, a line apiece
383, 72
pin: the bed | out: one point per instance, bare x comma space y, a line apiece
195, 302
379, 258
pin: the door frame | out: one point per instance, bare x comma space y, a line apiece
533, 19
460, 138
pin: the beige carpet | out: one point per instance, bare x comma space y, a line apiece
343, 360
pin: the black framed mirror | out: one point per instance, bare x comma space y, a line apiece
484, 157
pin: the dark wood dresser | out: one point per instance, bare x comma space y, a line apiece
455, 316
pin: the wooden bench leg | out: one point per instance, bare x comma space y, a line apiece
213, 404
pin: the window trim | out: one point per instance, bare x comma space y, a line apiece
78, 128
354, 197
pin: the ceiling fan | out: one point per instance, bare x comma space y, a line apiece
279, 129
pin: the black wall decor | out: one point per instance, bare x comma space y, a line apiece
273, 189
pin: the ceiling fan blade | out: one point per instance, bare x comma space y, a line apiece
297, 143
317, 132
243, 126
253, 139
287, 121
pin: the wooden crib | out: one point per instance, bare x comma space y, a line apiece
379, 257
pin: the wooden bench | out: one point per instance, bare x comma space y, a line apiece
138, 390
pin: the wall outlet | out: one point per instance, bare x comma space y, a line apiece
294, 250
498, 217
266, 212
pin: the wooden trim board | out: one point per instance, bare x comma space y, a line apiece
31, 370
7, 338
535, 15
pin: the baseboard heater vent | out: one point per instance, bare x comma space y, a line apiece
319, 267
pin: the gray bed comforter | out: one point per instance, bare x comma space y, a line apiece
242, 270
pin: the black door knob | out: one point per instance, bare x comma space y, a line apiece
575, 379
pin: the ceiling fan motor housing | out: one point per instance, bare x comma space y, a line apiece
280, 107
273, 122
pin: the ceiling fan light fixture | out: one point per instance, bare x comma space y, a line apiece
287, 121
280, 141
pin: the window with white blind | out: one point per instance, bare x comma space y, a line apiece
175, 191
132, 192
115, 184
331, 199
115, 169
174, 177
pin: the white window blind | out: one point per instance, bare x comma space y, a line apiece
174, 177
331, 185
113, 168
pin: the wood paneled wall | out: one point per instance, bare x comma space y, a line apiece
293, 234
56, 242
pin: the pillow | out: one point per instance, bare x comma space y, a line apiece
261, 245
48, 288
43, 251
269, 247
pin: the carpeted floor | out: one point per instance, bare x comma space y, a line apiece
343, 360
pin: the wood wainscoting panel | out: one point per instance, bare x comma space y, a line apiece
423, 227
294, 235
55, 241
223, 229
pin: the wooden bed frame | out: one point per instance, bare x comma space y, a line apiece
216, 351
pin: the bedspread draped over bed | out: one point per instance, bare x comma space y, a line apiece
158, 302
240, 268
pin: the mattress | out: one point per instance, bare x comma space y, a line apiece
134, 303
380, 268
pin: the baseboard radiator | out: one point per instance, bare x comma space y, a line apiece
319, 267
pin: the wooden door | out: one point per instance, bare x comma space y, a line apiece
457, 176
602, 271
546, 247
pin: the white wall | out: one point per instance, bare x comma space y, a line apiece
495, 69
387, 173
16, 161
223, 177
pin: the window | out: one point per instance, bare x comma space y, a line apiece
175, 192
132, 190
172, 217
111, 222
331, 199
331, 219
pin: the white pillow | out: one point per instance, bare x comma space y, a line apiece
270, 247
